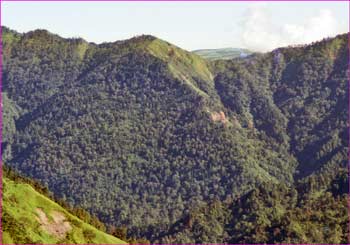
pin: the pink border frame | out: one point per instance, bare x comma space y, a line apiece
348, 75
174, 0
349, 122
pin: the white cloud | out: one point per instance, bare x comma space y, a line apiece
260, 33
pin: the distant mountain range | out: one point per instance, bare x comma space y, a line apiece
223, 54
179, 148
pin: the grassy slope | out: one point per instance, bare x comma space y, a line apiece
184, 65
20, 202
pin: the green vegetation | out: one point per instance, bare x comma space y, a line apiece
138, 132
10, 114
22, 223
314, 211
180, 61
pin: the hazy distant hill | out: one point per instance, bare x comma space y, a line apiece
139, 131
223, 54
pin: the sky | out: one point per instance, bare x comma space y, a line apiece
258, 26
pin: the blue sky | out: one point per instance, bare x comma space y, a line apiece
190, 25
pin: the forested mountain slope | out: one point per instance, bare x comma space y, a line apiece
297, 97
314, 210
138, 131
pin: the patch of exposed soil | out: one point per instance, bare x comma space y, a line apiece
58, 227
219, 117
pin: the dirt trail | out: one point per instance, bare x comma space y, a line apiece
58, 228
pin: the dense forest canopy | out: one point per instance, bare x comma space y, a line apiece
140, 131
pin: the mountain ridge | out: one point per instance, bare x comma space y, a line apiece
152, 123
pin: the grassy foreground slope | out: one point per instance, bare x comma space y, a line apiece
30, 217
